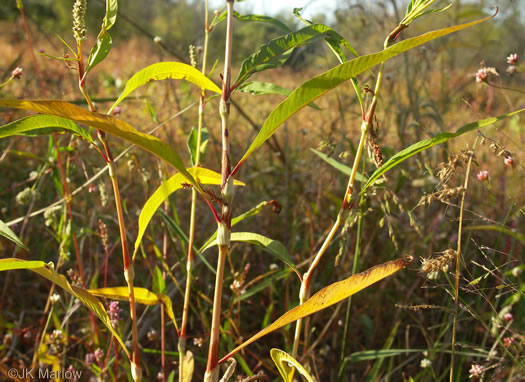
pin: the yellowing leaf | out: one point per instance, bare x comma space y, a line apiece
329, 296
287, 365
108, 124
162, 71
202, 175
189, 365
142, 296
86, 298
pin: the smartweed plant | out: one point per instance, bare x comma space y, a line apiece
214, 192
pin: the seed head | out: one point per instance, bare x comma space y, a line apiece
507, 341
475, 370
432, 267
79, 22
508, 317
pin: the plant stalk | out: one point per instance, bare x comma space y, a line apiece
191, 239
129, 273
227, 192
304, 292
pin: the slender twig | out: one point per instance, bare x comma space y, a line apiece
227, 192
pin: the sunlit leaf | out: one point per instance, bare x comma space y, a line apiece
109, 124
261, 88
86, 298
265, 57
272, 246
287, 365
5, 231
189, 365
427, 143
162, 71
320, 85
192, 143
142, 296
329, 296
42, 124
104, 42
176, 182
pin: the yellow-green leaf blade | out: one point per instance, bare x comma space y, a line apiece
142, 296
41, 124
162, 71
328, 296
108, 124
320, 85
427, 143
284, 363
86, 298
7, 232
274, 247
202, 175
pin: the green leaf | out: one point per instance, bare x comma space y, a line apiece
427, 143
108, 124
192, 143
328, 296
287, 365
159, 285
100, 51
104, 42
111, 14
320, 85
162, 71
142, 296
5, 231
202, 175
272, 246
86, 298
265, 57
368, 355
254, 211
260, 18
42, 124
338, 165
261, 88
502, 229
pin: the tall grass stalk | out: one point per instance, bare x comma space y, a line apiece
227, 192
191, 240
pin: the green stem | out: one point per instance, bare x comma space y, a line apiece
191, 240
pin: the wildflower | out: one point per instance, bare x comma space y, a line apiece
116, 111
198, 341
507, 341
114, 314
482, 74
516, 271
425, 362
511, 69
152, 335
54, 298
17, 72
90, 359
508, 317
512, 59
483, 175
99, 353
475, 370
509, 162
157, 39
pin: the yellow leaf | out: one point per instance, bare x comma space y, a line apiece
287, 365
328, 296
142, 296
